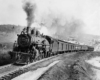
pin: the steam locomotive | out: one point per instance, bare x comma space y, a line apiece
31, 46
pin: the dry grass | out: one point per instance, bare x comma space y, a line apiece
5, 57
71, 68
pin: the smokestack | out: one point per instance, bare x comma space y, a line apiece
28, 28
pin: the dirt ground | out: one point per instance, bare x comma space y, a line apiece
72, 68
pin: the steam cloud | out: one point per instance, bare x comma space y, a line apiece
65, 29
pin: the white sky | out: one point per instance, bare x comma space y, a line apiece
88, 11
11, 12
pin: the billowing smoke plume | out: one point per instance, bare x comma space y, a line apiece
61, 19
29, 8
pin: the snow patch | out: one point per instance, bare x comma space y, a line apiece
95, 62
34, 75
97, 47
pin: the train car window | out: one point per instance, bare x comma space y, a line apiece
52, 45
66, 46
32, 31
37, 33
62, 46
58, 45
71, 47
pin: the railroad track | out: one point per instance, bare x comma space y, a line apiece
10, 71
1, 67
6, 69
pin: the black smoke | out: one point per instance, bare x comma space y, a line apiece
29, 8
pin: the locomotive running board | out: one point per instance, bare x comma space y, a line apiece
23, 53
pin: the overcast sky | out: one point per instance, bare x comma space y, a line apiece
87, 11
